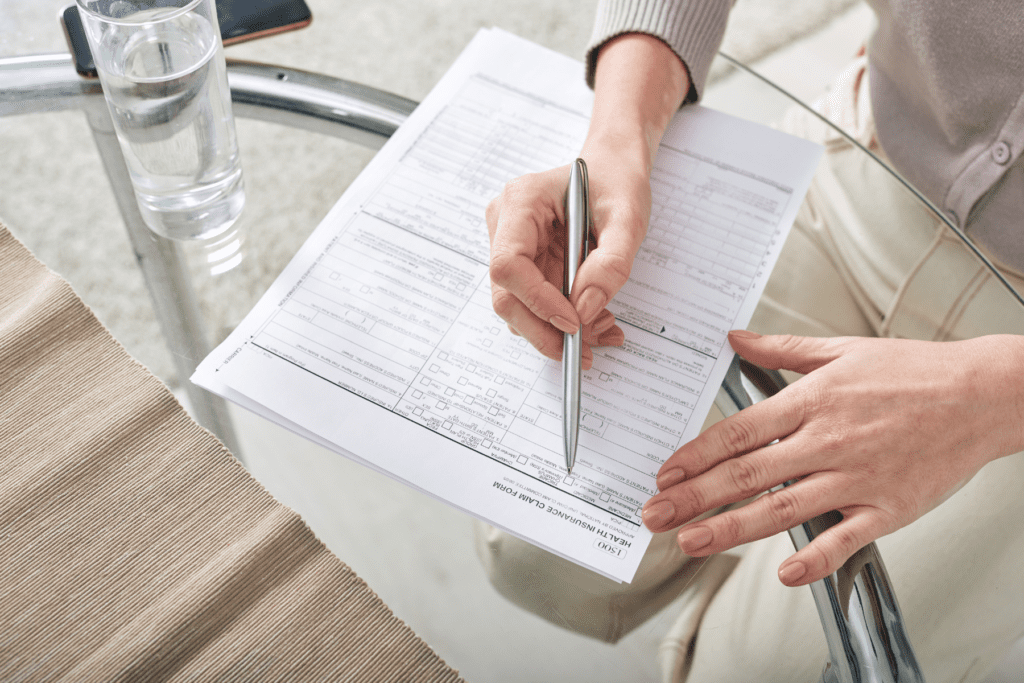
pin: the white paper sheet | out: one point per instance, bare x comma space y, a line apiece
378, 340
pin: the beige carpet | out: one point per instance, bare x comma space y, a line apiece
135, 548
55, 197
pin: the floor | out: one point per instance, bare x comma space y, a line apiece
418, 554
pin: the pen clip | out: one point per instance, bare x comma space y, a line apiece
588, 219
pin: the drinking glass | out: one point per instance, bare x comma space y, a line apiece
161, 64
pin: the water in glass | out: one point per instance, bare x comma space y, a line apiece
167, 90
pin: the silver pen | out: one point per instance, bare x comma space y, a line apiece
577, 220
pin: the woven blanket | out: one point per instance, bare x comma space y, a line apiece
134, 547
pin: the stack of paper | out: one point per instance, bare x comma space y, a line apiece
379, 341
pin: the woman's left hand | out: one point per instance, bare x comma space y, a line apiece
882, 430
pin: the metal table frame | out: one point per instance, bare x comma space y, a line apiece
860, 616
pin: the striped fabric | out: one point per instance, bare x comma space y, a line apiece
133, 547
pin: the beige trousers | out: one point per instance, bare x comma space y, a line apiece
862, 259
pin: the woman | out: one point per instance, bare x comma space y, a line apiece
882, 429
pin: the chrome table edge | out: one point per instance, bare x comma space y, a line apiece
291, 97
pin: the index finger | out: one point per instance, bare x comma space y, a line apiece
607, 267
746, 431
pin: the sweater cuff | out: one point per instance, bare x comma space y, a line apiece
693, 29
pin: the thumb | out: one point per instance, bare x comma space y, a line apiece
786, 351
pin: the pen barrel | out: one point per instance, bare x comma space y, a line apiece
577, 222
571, 353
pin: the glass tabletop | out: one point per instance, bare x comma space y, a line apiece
417, 554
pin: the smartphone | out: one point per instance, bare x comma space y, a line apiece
240, 20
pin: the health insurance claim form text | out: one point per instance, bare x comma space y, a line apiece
379, 340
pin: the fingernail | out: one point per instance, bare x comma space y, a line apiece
659, 514
564, 325
744, 334
670, 478
603, 323
612, 338
590, 303
694, 538
788, 573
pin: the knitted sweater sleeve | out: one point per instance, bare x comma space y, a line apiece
692, 28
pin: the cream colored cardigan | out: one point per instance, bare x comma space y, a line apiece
947, 90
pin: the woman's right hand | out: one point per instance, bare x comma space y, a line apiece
526, 224
639, 85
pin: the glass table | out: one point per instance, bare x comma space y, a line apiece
437, 588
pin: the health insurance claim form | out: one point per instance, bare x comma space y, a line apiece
379, 341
